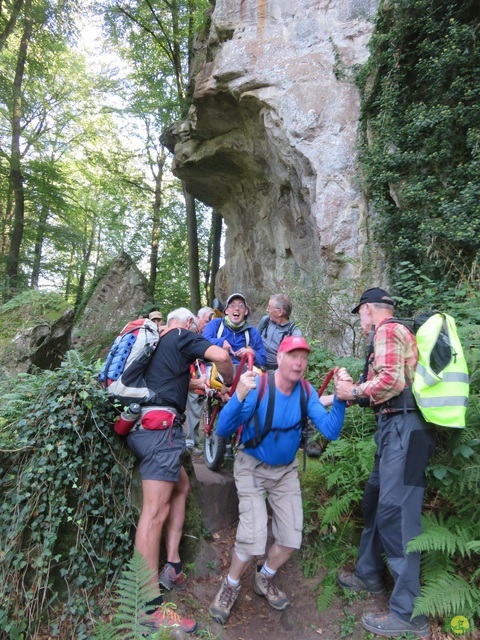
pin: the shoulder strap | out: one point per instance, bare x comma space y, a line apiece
263, 328
247, 337
259, 435
405, 323
304, 396
291, 328
220, 330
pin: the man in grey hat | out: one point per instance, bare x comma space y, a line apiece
392, 500
234, 333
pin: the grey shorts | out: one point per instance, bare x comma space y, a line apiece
160, 452
281, 486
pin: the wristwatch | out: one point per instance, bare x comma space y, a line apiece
355, 393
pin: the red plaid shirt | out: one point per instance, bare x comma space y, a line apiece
395, 355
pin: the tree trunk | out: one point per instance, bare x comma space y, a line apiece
68, 283
156, 225
9, 26
192, 240
216, 240
16, 177
37, 251
85, 262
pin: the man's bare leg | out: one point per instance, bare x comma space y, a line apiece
155, 512
278, 556
176, 518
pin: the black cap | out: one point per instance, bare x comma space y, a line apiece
374, 295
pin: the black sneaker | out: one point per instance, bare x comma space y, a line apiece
390, 624
354, 583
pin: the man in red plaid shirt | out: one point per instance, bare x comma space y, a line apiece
392, 500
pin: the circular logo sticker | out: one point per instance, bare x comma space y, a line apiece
459, 625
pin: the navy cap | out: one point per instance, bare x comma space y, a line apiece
374, 295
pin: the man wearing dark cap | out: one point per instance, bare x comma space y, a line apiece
392, 500
266, 465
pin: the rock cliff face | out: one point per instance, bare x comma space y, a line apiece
118, 298
270, 140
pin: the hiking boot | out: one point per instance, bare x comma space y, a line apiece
169, 579
224, 601
354, 583
265, 587
166, 618
391, 624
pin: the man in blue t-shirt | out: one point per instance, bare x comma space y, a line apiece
266, 464
234, 334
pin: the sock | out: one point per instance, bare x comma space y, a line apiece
269, 573
232, 582
153, 605
176, 565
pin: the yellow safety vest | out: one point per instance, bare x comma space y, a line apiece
442, 398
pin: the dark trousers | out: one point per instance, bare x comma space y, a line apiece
392, 505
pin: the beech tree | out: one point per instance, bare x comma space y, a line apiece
69, 177
157, 39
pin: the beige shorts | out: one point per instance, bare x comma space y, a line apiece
257, 482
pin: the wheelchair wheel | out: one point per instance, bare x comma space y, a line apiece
214, 445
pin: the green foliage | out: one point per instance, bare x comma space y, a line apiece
134, 588
323, 314
421, 108
29, 308
332, 489
347, 623
67, 516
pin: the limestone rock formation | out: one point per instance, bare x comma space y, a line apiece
117, 299
271, 139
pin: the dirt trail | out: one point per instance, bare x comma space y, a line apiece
253, 619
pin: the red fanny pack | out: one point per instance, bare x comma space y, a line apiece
156, 419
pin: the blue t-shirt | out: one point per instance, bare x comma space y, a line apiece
281, 444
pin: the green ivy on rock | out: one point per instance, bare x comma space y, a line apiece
67, 516
421, 123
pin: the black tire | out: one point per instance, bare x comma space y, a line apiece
214, 446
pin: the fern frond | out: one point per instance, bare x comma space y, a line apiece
340, 506
104, 631
474, 545
134, 589
451, 538
447, 596
326, 597
436, 564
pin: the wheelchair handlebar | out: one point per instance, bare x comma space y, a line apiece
325, 382
246, 358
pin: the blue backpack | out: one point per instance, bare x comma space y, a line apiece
123, 372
